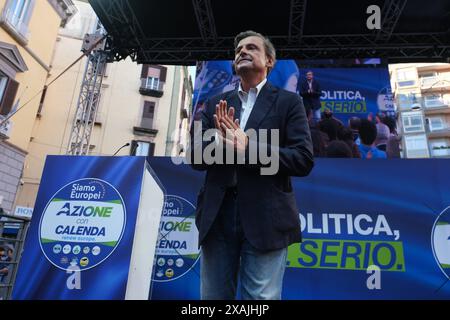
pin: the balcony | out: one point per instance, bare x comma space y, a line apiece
441, 152
436, 106
151, 87
438, 83
411, 102
438, 133
15, 26
65, 9
442, 109
145, 127
408, 102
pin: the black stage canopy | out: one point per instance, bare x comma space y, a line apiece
185, 31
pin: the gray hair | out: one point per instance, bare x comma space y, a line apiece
268, 45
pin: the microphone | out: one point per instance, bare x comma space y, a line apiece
125, 145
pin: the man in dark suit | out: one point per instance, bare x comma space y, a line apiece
310, 92
247, 219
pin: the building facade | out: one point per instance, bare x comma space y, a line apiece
28, 31
422, 95
147, 106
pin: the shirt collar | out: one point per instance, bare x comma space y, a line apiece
258, 88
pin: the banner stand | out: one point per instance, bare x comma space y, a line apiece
93, 232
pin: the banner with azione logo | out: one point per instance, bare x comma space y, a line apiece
356, 216
81, 235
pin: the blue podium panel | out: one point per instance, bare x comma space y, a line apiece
80, 240
355, 214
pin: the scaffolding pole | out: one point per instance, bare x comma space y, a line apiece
94, 46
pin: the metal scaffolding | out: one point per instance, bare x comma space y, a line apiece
205, 19
130, 39
390, 13
296, 20
15, 243
90, 93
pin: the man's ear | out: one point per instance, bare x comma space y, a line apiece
270, 62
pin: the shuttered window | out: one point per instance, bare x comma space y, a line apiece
8, 96
148, 115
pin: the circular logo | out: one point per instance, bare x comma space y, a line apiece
179, 263
169, 273
161, 262
177, 241
76, 250
96, 250
67, 248
440, 241
83, 212
57, 248
84, 261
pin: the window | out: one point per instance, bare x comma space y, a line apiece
416, 146
436, 123
18, 13
3, 83
8, 91
154, 76
148, 115
406, 77
152, 83
428, 79
408, 101
430, 74
19, 10
142, 148
434, 101
412, 122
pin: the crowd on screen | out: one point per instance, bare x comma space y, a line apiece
365, 138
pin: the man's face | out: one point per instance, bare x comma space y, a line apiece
309, 76
250, 55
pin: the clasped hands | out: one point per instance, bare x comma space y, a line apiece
230, 133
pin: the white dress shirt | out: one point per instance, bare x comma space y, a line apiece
248, 101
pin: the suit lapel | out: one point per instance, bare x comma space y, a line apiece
262, 106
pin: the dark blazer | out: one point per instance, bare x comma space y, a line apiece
269, 214
311, 99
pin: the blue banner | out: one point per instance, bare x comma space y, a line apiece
354, 92
81, 234
347, 92
357, 217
